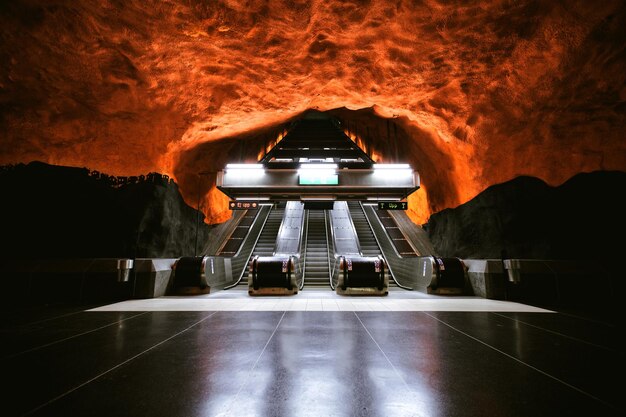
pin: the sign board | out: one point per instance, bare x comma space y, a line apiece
243, 205
318, 179
393, 205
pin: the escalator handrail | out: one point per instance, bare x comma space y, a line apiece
238, 217
330, 243
330, 275
306, 240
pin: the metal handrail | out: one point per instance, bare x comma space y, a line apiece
330, 250
330, 275
306, 240
303, 225
356, 236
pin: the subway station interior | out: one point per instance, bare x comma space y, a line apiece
290, 208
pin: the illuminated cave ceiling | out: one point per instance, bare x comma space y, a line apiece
478, 93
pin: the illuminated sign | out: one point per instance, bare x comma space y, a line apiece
393, 205
242, 205
315, 178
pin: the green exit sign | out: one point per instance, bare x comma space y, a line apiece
393, 205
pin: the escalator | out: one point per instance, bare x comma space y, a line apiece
316, 272
267, 241
231, 246
367, 240
403, 246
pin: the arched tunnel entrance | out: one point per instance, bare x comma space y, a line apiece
443, 166
322, 206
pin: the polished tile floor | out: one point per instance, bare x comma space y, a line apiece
318, 300
227, 354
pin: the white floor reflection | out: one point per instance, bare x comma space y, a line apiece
237, 300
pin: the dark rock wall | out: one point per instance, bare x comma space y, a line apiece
61, 212
584, 218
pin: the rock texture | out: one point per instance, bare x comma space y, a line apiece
526, 218
64, 212
476, 93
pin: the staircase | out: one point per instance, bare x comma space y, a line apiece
316, 273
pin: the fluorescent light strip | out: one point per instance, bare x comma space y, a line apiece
244, 166
392, 166
318, 166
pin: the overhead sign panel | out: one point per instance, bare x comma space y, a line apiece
393, 205
243, 205
318, 179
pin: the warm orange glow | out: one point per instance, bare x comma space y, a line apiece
468, 94
219, 204
419, 209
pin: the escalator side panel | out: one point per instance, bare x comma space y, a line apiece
290, 232
344, 234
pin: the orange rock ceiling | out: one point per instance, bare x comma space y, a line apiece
476, 93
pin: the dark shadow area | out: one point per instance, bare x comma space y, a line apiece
581, 219
56, 212
566, 244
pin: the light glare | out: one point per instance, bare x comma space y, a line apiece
392, 166
244, 166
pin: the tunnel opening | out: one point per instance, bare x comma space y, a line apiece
383, 139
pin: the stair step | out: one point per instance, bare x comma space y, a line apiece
316, 254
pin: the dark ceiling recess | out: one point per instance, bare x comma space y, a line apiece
318, 205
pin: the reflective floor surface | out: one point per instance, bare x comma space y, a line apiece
103, 361
318, 300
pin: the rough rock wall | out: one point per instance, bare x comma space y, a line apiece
63, 212
526, 218
481, 91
